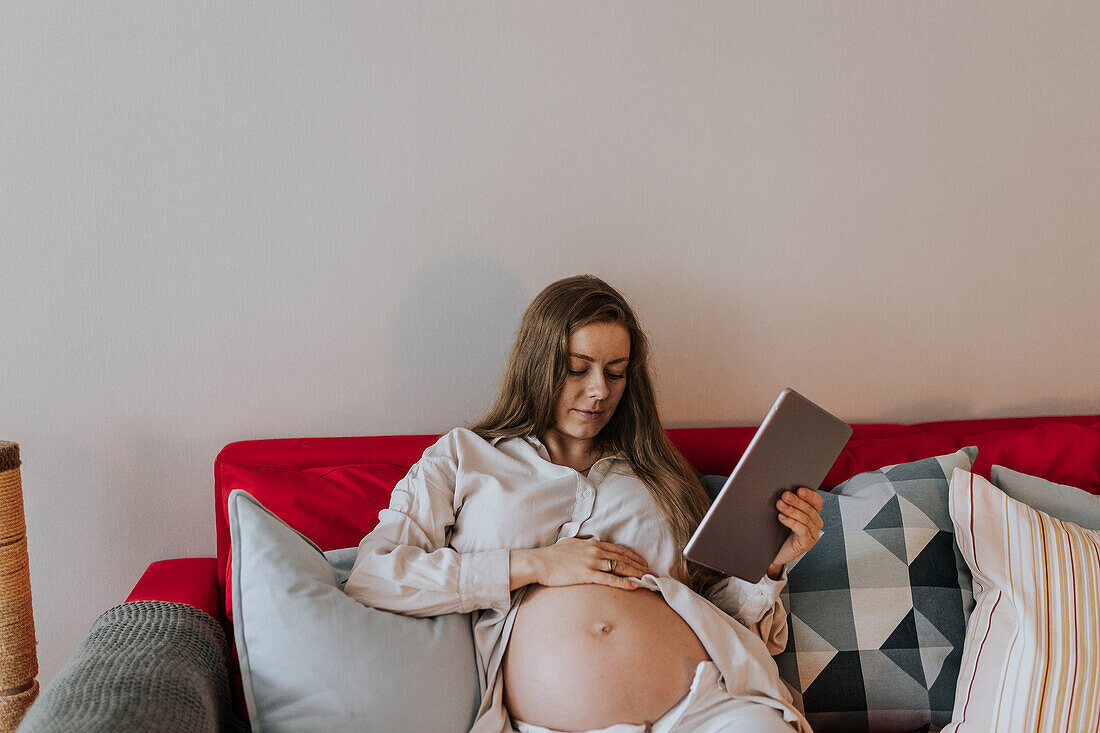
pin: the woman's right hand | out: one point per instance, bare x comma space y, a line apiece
573, 561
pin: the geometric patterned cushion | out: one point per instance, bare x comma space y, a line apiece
878, 608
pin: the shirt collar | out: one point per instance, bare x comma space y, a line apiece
539, 446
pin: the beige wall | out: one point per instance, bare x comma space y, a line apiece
223, 220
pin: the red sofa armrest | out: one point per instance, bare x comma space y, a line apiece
190, 580
194, 581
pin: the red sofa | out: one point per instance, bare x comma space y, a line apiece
331, 489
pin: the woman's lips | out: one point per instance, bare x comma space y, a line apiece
589, 414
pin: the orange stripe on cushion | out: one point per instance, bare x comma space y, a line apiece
1073, 627
1044, 558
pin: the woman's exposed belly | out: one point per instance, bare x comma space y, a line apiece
589, 656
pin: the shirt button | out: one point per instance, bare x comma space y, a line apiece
586, 493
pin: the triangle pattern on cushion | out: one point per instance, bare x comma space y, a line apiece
916, 539
888, 517
825, 568
935, 565
919, 528
891, 606
908, 661
934, 647
930, 498
904, 636
893, 539
810, 665
808, 640
943, 609
787, 663
840, 686
829, 613
871, 566
796, 694
885, 527
891, 689
913, 515
915, 470
857, 511
928, 633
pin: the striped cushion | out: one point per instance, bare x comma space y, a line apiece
1031, 660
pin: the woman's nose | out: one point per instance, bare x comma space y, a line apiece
597, 387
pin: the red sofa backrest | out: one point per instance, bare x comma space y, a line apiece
331, 489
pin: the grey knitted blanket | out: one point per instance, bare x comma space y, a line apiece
144, 666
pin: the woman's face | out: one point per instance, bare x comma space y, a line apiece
595, 380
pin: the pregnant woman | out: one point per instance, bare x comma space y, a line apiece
559, 520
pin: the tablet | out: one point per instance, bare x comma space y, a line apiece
796, 445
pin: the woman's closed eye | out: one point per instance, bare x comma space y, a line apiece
581, 372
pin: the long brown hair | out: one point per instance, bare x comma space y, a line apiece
536, 371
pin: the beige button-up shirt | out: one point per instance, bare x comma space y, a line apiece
442, 547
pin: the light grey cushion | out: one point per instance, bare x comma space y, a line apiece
313, 659
1067, 503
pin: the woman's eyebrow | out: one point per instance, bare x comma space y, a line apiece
589, 358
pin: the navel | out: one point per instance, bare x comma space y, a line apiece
602, 628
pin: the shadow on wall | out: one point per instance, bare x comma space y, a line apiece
935, 409
1046, 406
454, 327
929, 409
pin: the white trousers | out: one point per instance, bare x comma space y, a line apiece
706, 708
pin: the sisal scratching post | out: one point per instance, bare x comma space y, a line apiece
18, 658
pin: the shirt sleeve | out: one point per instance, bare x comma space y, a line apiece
404, 565
757, 606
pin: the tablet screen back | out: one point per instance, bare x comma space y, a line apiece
796, 445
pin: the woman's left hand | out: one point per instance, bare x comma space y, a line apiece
800, 512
